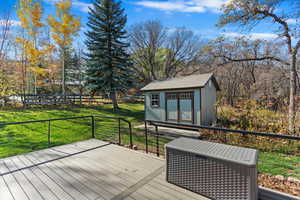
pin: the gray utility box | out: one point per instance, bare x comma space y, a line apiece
217, 171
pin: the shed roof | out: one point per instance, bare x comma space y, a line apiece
192, 81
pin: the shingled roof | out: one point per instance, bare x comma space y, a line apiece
184, 82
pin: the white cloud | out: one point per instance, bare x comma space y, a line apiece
263, 35
51, 1
232, 34
184, 6
11, 22
292, 21
253, 36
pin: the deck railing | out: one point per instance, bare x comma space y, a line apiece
43, 134
281, 143
290, 144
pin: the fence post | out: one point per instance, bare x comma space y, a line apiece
130, 135
93, 127
146, 136
119, 120
157, 141
49, 132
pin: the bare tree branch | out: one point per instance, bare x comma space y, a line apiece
229, 60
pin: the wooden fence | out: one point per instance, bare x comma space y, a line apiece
64, 99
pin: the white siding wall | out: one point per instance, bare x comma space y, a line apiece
209, 98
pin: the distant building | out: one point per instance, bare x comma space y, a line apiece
188, 99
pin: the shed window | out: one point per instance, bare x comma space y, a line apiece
155, 100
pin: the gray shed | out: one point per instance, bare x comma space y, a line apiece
189, 99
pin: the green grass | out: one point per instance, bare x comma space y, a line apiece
279, 164
18, 139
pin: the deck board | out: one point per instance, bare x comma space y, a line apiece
14, 186
87, 170
4, 190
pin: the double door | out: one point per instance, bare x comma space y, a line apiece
180, 107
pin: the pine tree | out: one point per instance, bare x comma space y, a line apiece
108, 64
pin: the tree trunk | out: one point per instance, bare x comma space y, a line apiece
113, 97
63, 72
292, 94
35, 83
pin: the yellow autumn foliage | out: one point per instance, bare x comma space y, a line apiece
23, 11
63, 6
30, 15
65, 25
36, 15
33, 54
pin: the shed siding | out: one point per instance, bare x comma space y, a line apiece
197, 102
159, 114
209, 97
156, 114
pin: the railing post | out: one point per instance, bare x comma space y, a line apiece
119, 120
130, 135
157, 141
93, 127
49, 132
146, 136
225, 137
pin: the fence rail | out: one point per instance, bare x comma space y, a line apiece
63, 99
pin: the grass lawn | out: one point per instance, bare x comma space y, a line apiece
282, 164
17, 139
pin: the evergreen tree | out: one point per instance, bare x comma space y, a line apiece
108, 64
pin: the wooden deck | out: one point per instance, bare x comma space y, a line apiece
90, 169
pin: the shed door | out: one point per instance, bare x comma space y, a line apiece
179, 107
186, 107
172, 107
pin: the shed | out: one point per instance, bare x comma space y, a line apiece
188, 99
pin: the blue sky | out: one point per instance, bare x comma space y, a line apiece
197, 15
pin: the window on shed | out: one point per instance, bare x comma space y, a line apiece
155, 100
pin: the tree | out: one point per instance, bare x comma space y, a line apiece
147, 40
30, 14
5, 25
251, 12
75, 71
63, 29
108, 64
7, 84
160, 54
7, 81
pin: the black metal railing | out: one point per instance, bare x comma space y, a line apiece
221, 132
92, 125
